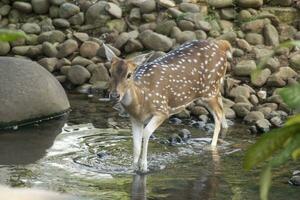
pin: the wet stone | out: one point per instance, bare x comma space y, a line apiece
175, 120
175, 139
199, 124
185, 134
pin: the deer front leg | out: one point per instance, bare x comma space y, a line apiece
137, 134
217, 112
154, 123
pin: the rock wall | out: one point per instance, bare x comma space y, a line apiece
66, 38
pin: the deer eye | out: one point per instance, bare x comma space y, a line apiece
129, 75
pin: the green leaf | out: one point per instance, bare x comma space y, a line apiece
292, 144
293, 120
265, 183
291, 96
11, 35
289, 44
268, 144
296, 154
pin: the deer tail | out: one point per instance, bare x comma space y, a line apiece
226, 46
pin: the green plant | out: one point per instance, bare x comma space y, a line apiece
279, 145
7, 35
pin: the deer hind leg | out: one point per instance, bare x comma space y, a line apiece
153, 124
223, 120
137, 134
217, 112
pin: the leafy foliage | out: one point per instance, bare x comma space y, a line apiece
279, 145
7, 35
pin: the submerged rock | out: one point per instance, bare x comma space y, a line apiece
28, 92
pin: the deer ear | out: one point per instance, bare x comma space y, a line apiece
140, 59
109, 53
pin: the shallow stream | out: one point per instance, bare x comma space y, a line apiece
88, 155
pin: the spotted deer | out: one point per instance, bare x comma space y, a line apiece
152, 92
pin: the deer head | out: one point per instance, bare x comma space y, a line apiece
121, 71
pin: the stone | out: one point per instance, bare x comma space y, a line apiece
5, 9
241, 109
240, 90
89, 49
118, 25
78, 60
286, 15
57, 2
96, 13
155, 41
81, 36
99, 74
200, 34
275, 81
273, 64
46, 25
285, 73
255, 26
113, 9
121, 40
166, 3
133, 45
62, 62
185, 134
254, 38
253, 116
54, 12
185, 36
165, 27
186, 25
61, 23
253, 99
221, 3
4, 48
260, 77
271, 35
20, 50
250, 3
24, 97
67, 48
203, 25
189, 7
22, 6
244, 68
48, 63
31, 28
64, 69
78, 75
276, 121
229, 113
263, 125
49, 49
51, 36
40, 6
34, 51
77, 19
295, 61
199, 110
147, 6
67, 10
228, 13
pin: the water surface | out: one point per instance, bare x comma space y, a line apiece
88, 155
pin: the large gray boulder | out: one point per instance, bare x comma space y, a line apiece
28, 92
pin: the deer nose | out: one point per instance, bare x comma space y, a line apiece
114, 96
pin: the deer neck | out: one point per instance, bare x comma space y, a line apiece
132, 96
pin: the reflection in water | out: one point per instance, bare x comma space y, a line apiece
139, 187
29, 144
205, 186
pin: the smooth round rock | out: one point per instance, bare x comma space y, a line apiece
40, 6
28, 92
67, 10
4, 48
89, 49
78, 74
22, 6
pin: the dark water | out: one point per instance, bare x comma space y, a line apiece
88, 155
